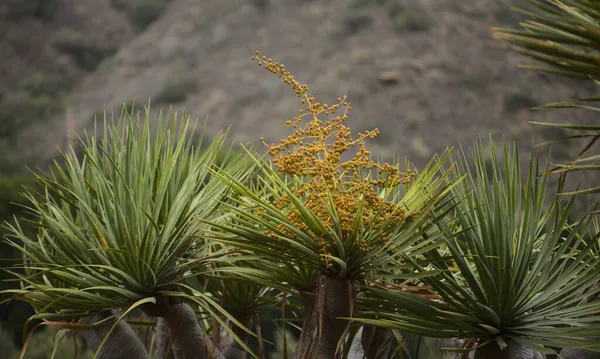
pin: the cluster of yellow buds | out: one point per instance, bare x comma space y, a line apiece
314, 153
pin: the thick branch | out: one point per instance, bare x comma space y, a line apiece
233, 350
323, 331
513, 351
310, 323
376, 342
189, 340
570, 353
163, 337
123, 343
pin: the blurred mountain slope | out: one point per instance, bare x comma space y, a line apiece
426, 73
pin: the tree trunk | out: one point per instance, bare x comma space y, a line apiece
234, 350
322, 331
163, 338
356, 349
376, 342
513, 351
189, 341
570, 353
123, 343
310, 323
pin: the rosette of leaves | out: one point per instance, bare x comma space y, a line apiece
322, 206
560, 33
518, 275
564, 35
116, 220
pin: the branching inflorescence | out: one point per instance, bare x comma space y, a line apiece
315, 150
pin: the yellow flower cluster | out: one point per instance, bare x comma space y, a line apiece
314, 152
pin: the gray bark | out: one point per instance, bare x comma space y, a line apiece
322, 331
163, 337
309, 300
514, 350
123, 342
518, 351
571, 353
376, 342
189, 341
234, 350
356, 349
188, 337
176, 320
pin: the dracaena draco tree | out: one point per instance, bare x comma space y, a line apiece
564, 37
515, 276
117, 231
323, 217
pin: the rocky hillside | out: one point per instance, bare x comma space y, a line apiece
426, 73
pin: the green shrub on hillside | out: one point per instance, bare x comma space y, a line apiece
409, 20
40, 9
260, 4
17, 110
519, 100
174, 92
355, 21
36, 98
41, 83
87, 54
146, 12
142, 13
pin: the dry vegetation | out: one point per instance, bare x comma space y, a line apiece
425, 73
